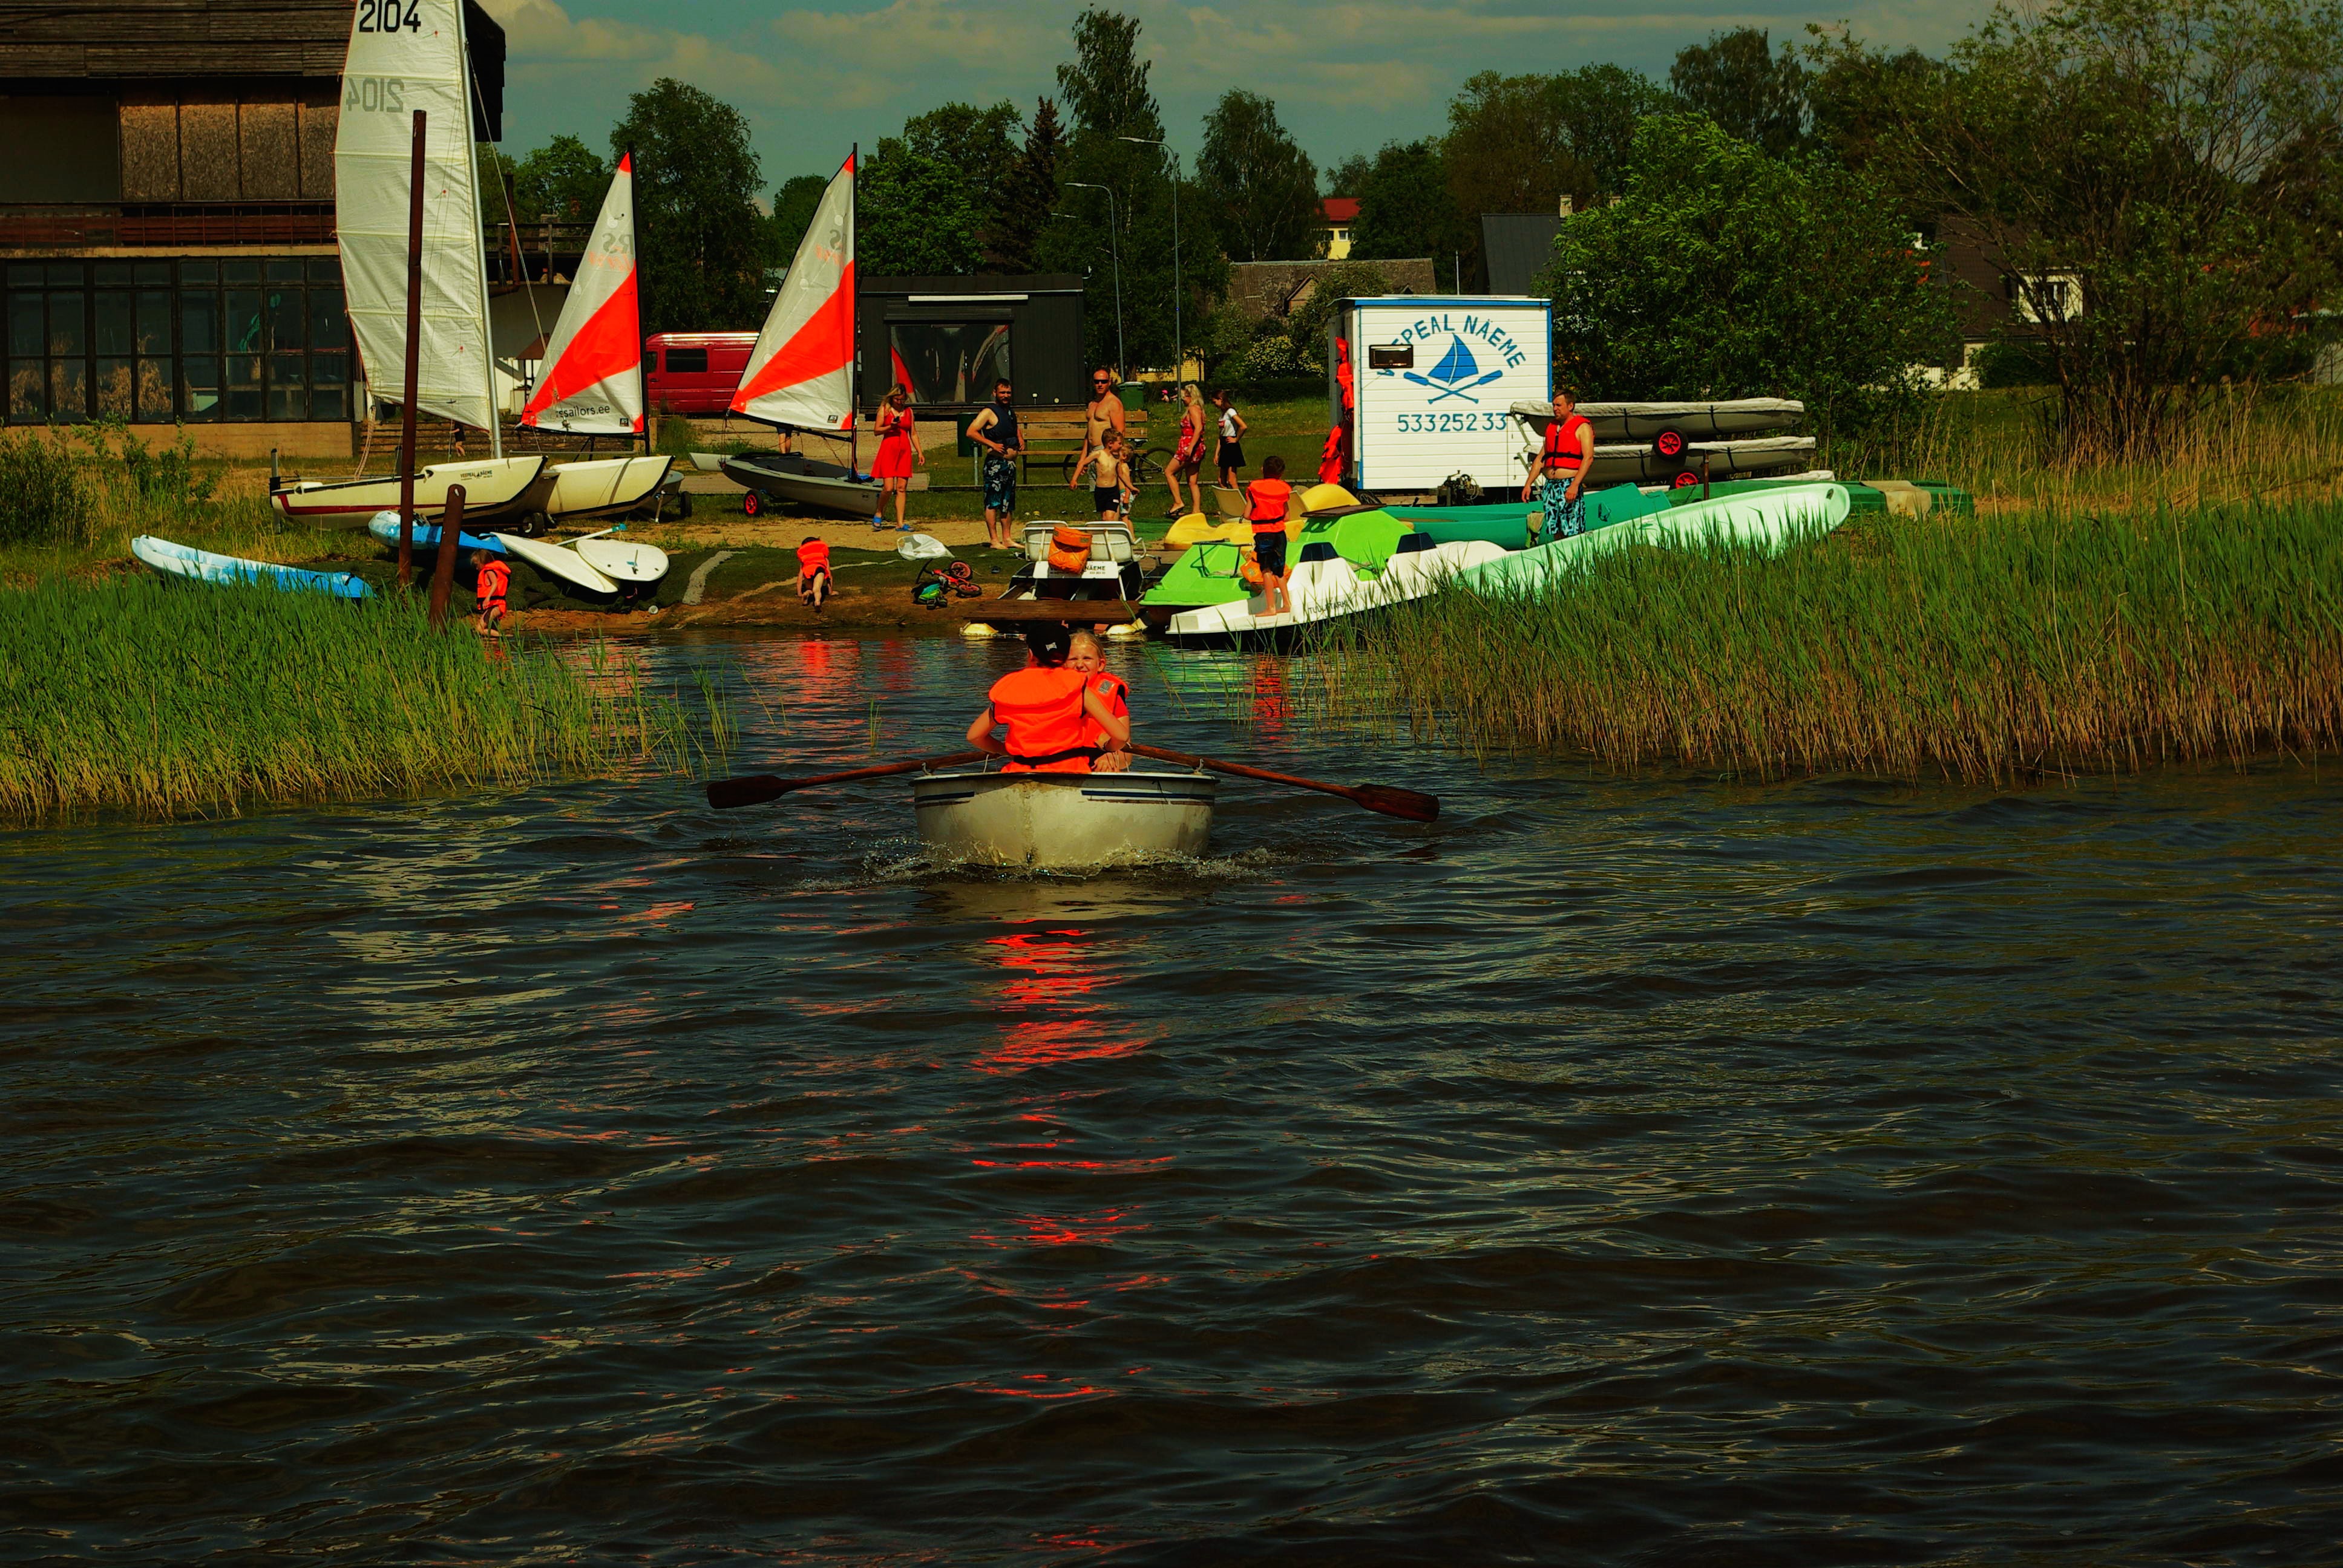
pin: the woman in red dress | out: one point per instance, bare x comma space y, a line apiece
898, 448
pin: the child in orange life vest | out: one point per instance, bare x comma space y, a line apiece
1049, 711
1265, 505
1088, 658
813, 571
488, 588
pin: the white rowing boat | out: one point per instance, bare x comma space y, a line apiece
1064, 820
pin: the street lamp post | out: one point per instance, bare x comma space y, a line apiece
1179, 281
1114, 250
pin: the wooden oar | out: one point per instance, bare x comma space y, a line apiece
1382, 798
756, 789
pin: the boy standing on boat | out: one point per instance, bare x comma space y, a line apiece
1085, 657
995, 428
813, 571
1049, 710
489, 589
1266, 501
1560, 479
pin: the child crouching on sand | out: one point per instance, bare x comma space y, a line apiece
489, 587
813, 571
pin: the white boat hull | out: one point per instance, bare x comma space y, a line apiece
558, 561
606, 486
496, 489
1328, 589
1064, 820
623, 561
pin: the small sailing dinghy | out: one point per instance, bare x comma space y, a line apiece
558, 561
1058, 821
179, 560
622, 561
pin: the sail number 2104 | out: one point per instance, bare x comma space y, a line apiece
391, 15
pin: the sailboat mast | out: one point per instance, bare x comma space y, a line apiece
854, 314
642, 317
469, 122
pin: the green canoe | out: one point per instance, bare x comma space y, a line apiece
1772, 519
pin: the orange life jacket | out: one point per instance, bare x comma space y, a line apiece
1048, 731
494, 575
1268, 498
1112, 688
1562, 447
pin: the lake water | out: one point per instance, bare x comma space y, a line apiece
1658, 1171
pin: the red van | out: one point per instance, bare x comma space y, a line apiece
695, 373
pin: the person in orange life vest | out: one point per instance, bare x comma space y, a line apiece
1265, 508
1086, 656
813, 570
495, 576
1049, 710
1560, 480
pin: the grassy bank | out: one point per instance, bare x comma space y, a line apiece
2044, 642
158, 699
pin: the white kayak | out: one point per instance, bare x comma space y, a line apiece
623, 561
1772, 521
603, 487
1063, 821
558, 560
202, 566
1325, 587
496, 489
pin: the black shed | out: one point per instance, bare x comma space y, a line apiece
949, 338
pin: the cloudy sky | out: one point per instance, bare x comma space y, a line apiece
814, 75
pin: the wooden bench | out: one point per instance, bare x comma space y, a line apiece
1053, 440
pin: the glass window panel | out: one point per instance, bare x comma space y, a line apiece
285, 319
113, 271
326, 269
329, 403
116, 316
28, 390
240, 271
243, 321
326, 329
67, 275
29, 331
67, 332
154, 391
199, 387
947, 360
199, 272
113, 388
287, 397
154, 321
243, 400
329, 369
24, 273
155, 273
69, 388
199, 323
284, 271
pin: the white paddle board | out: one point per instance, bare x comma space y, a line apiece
623, 561
562, 562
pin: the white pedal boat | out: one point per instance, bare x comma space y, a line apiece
1063, 821
1325, 586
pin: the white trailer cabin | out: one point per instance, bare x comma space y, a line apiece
1434, 377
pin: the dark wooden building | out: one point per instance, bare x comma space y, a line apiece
166, 214
950, 338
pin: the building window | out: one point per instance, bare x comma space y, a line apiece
2053, 297
946, 362
233, 339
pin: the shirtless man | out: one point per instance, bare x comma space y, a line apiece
1103, 417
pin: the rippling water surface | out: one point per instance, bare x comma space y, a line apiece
1640, 1171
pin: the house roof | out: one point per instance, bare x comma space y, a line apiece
1339, 209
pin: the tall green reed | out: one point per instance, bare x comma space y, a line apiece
158, 698
2037, 643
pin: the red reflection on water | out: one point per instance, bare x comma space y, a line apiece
1059, 974
1271, 708
1093, 1230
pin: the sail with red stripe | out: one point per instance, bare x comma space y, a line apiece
592, 383
802, 372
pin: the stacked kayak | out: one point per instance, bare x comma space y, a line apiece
1506, 523
1771, 519
1681, 443
202, 565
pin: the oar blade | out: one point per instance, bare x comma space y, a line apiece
1407, 804
753, 789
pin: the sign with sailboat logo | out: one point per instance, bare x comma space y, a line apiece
1441, 376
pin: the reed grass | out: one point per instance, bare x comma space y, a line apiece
2038, 643
161, 700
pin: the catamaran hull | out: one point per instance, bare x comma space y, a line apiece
605, 487
1064, 820
496, 490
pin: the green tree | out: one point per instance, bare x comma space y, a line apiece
563, 178
930, 196
703, 245
1854, 94
1405, 209
1262, 187
1737, 80
1521, 144
1600, 107
1028, 195
2179, 162
794, 206
1722, 272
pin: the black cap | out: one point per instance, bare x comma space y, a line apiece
1050, 644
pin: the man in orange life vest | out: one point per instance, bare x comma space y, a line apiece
1088, 658
1560, 478
1049, 711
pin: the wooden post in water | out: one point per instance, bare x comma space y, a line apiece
414, 359
443, 570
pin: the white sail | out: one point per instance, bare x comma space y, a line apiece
802, 372
405, 56
593, 379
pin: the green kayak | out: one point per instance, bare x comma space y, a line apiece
1506, 523
1772, 519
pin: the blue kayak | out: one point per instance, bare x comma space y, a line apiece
202, 566
384, 527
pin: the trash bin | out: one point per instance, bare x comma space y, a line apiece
1134, 396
